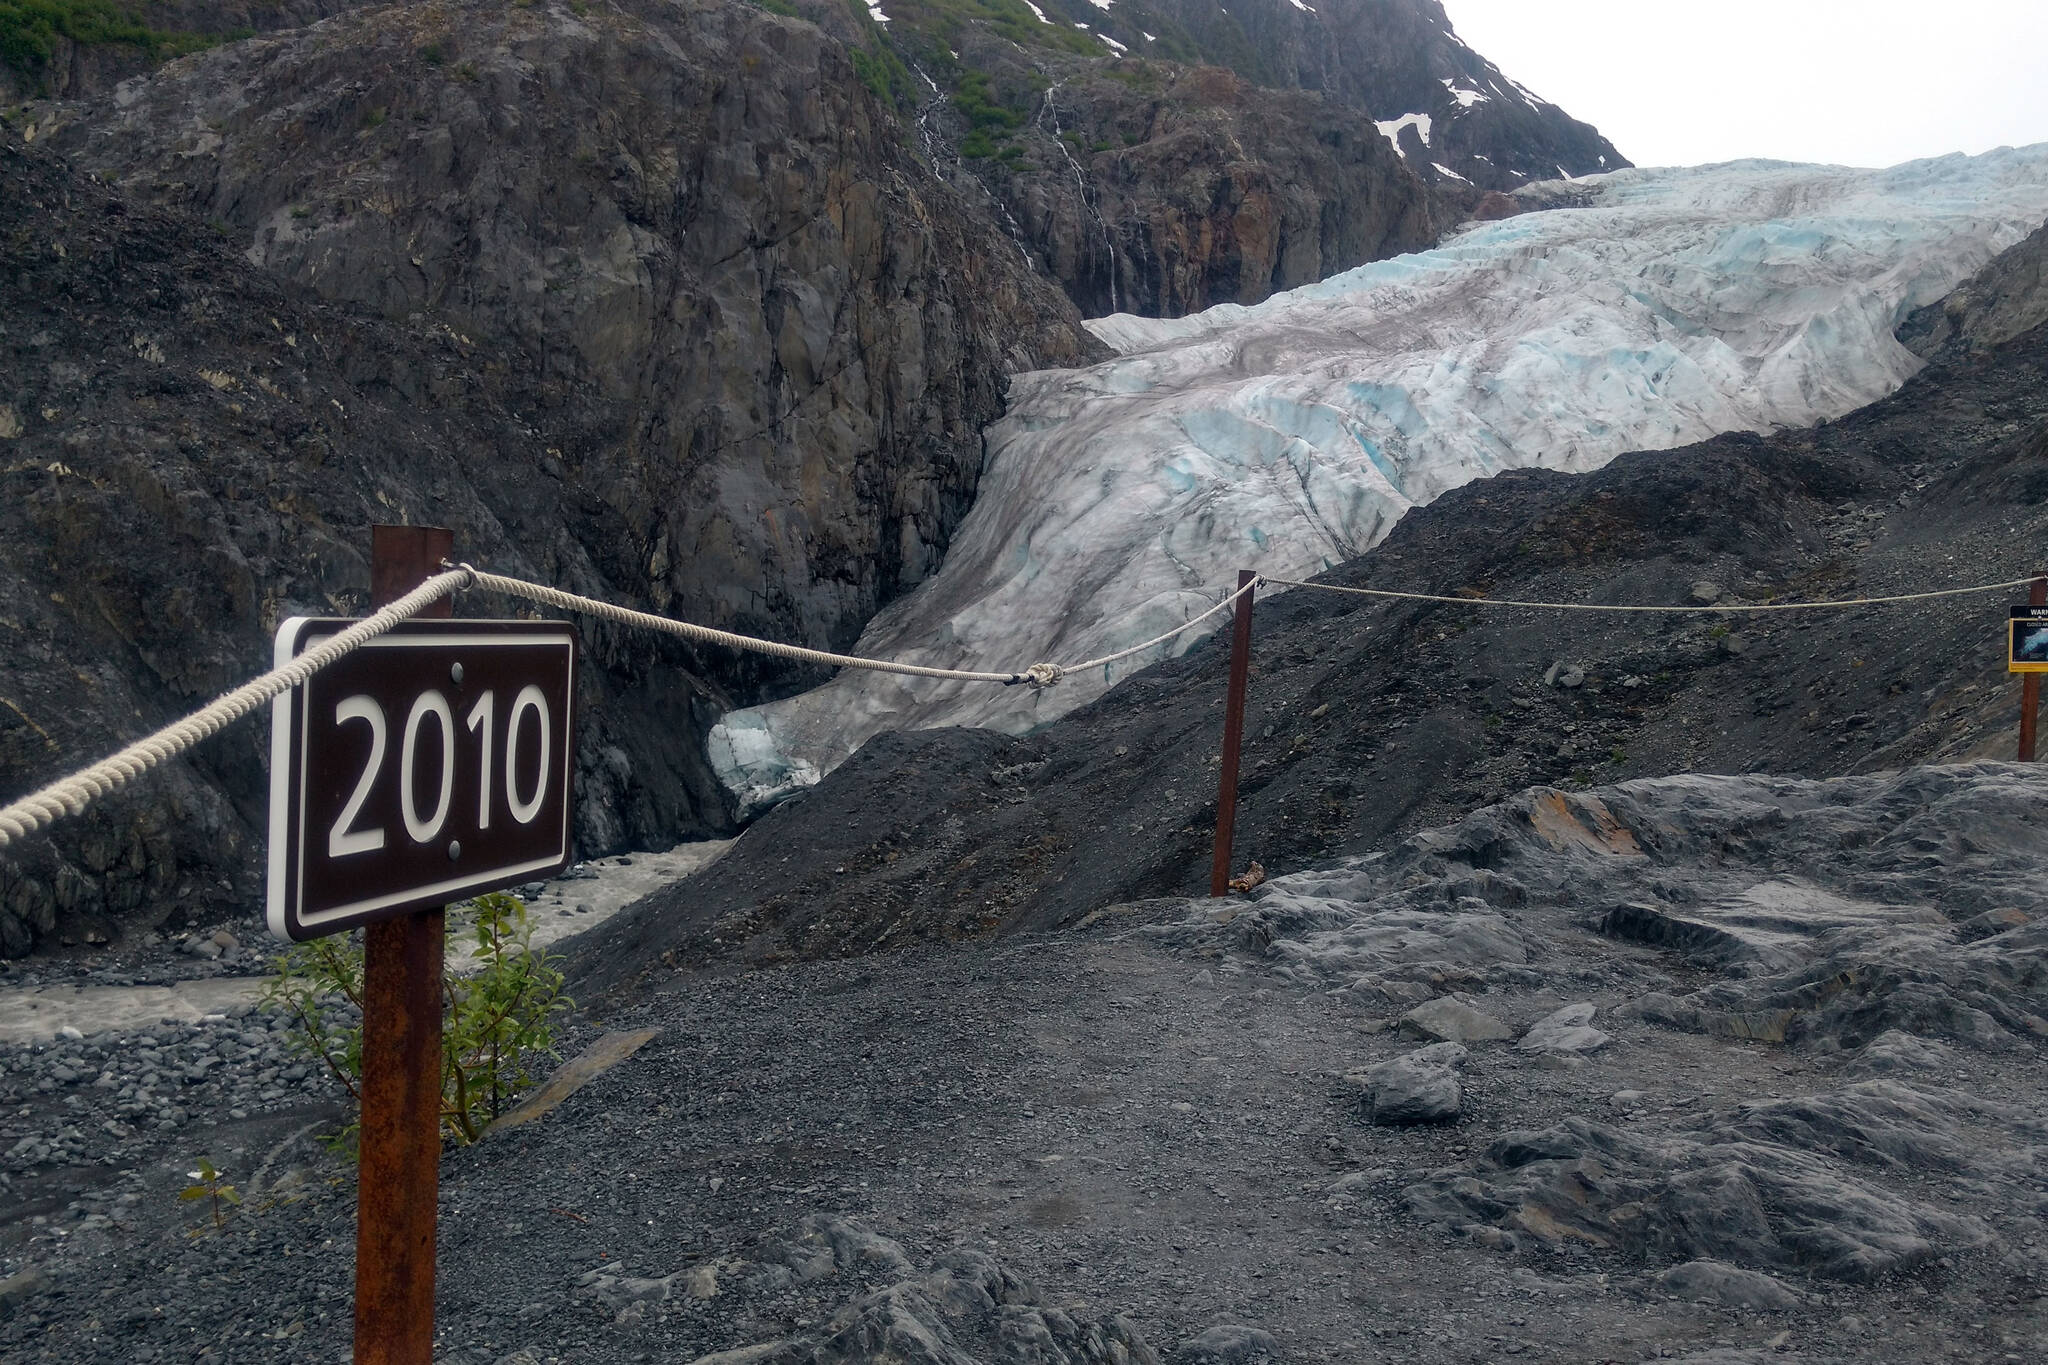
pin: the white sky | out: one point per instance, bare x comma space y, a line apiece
1858, 82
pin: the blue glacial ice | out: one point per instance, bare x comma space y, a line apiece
1651, 308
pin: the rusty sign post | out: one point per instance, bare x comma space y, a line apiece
1233, 735
431, 764
398, 1186
2030, 670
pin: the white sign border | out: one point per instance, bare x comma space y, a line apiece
288, 720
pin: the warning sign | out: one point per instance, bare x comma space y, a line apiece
2027, 645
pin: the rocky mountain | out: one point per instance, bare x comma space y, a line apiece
1455, 116
1162, 189
1371, 718
1158, 158
1153, 158
651, 302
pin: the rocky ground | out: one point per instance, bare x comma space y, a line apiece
1711, 1069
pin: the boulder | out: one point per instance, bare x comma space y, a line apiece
1448, 1019
1229, 1344
1421, 1087
1730, 1286
1568, 1030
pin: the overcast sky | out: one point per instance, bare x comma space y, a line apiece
1859, 82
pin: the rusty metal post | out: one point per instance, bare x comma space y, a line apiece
2030, 686
1233, 736
398, 1185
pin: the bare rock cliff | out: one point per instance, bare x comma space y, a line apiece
651, 302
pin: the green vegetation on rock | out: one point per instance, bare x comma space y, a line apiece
944, 20
30, 29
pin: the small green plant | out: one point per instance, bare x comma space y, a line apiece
433, 55
1617, 754
499, 1018
210, 1184
374, 118
1719, 632
497, 1012
301, 211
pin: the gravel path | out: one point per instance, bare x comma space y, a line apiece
1135, 1128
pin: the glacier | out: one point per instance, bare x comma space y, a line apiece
1641, 309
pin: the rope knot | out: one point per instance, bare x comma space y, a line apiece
1043, 676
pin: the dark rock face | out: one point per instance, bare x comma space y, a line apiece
672, 320
193, 451
1400, 58
2008, 297
1190, 187
1158, 158
779, 340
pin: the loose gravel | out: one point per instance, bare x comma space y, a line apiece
1129, 1125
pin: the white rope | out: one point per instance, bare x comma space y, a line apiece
1596, 606
569, 601
1037, 675
73, 794
1180, 629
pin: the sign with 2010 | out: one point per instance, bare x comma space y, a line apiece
429, 765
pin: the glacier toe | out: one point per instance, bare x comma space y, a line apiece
1639, 310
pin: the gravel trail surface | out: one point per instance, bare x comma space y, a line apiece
1174, 1133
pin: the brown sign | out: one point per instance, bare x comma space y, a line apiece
430, 765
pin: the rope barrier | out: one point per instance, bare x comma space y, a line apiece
71, 795
1597, 606
1039, 675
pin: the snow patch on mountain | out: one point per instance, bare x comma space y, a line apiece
1465, 98
1661, 307
1391, 128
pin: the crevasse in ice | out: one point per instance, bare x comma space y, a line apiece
1647, 309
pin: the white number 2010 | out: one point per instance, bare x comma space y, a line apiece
343, 840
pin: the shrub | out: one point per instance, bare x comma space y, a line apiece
497, 1017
